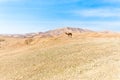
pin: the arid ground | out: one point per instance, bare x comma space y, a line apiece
85, 56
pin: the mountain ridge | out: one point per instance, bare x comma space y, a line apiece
49, 33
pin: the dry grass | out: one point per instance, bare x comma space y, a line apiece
77, 58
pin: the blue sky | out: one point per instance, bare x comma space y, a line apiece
23, 16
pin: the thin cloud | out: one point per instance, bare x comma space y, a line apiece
43, 2
103, 12
9, 0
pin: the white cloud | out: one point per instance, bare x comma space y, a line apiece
8, 0
33, 26
42, 2
100, 12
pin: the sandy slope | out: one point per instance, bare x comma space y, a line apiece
62, 58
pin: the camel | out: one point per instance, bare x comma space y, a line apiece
69, 34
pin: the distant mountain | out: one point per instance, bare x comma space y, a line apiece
66, 29
50, 32
60, 31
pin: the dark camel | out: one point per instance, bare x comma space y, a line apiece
69, 34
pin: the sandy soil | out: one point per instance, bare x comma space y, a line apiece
61, 58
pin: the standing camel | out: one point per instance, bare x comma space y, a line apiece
69, 34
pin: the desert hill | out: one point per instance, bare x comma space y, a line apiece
66, 29
49, 33
21, 40
87, 55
